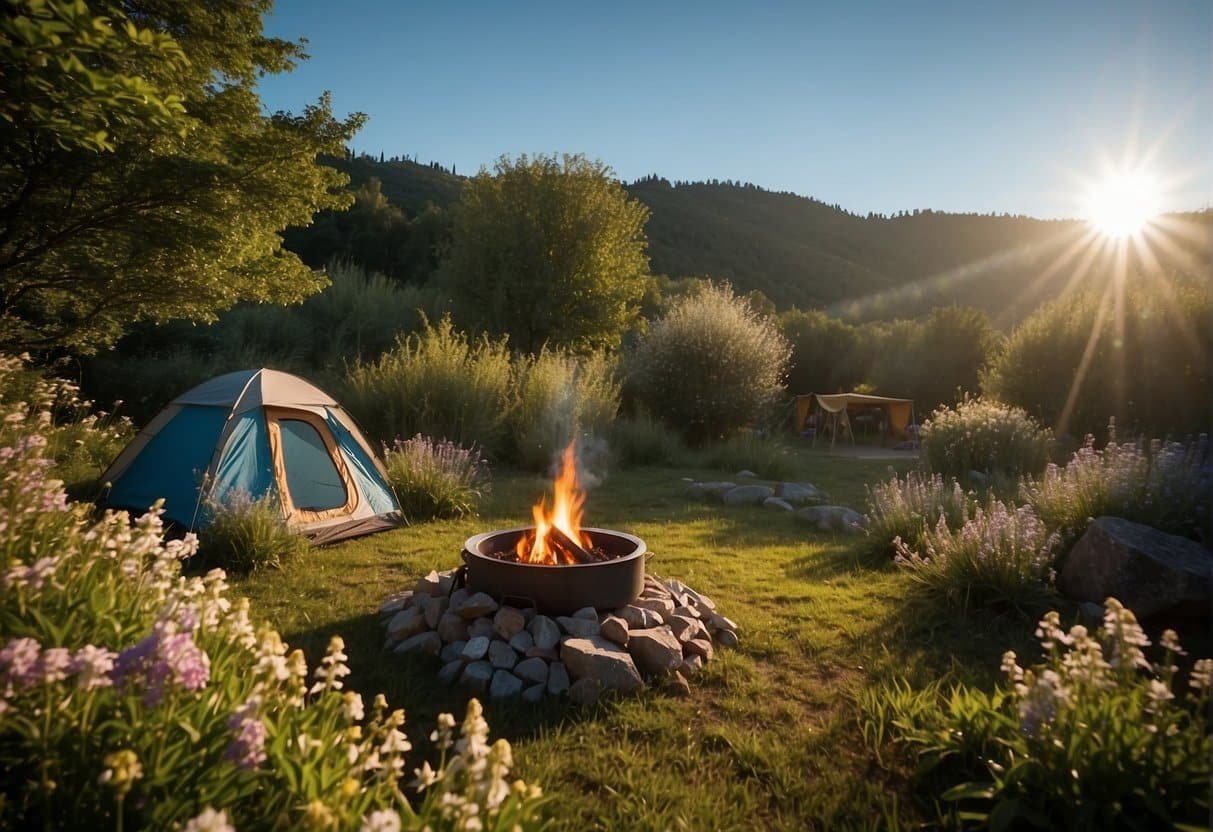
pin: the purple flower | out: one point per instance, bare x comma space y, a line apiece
53, 665
162, 659
92, 666
18, 662
247, 750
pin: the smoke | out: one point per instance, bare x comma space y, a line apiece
592, 455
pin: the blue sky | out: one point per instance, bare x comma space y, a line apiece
978, 106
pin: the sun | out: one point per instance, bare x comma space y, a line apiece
1123, 204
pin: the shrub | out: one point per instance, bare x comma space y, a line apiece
243, 534
559, 397
436, 478
1164, 485
1001, 558
439, 383
640, 440
710, 366
767, 457
1094, 738
908, 508
985, 436
134, 697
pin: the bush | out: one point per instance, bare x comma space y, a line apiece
710, 366
1144, 359
1001, 558
642, 440
438, 383
560, 396
436, 478
1094, 738
133, 697
1164, 485
985, 436
908, 508
243, 534
767, 457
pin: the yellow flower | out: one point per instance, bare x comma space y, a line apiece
122, 770
350, 788
319, 817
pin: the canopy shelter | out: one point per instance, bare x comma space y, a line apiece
250, 434
831, 413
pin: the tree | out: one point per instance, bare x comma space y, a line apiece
139, 178
549, 251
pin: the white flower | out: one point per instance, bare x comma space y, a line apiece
209, 821
351, 706
384, 820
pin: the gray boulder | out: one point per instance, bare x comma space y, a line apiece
505, 685
656, 650
831, 519
777, 504
799, 493
747, 495
605, 661
1146, 570
708, 490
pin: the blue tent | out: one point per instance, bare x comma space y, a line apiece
257, 432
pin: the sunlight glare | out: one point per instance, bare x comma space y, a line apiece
1123, 204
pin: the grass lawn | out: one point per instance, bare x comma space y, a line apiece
769, 736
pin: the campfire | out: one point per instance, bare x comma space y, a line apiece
557, 537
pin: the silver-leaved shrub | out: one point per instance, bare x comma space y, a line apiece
984, 436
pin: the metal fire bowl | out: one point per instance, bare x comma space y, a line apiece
562, 589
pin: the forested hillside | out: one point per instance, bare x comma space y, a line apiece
802, 252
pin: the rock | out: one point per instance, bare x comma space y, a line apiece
691, 665
445, 581
1092, 613
406, 623
545, 632
450, 672
615, 629
655, 650
597, 658
508, 622
745, 473
476, 676
457, 597
831, 518
708, 490
558, 678
747, 495
656, 584
684, 628
434, 611
726, 638
716, 621
585, 691
1147, 570
505, 685
431, 584
777, 504
475, 606
475, 649
661, 606
687, 612
452, 628
701, 647
638, 617
534, 694
453, 651
678, 684
427, 643
501, 655
799, 493
522, 641
395, 603
532, 670
579, 627
550, 654
588, 613
481, 627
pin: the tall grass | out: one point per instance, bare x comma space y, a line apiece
765, 456
559, 397
436, 478
245, 534
984, 436
906, 508
640, 439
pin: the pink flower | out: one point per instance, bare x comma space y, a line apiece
162, 659
18, 660
92, 666
247, 750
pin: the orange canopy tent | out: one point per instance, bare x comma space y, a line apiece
835, 408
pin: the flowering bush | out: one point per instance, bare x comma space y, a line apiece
1001, 557
1096, 737
436, 478
1166, 486
907, 508
133, 696
986, 436
243, 534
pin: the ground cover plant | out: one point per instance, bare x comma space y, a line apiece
243, 534
436, 478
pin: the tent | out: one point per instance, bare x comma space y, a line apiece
257, 432
836, 408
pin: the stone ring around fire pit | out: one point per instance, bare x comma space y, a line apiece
666, 633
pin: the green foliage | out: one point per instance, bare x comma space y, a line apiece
985, 436
1165, 485
548, 251
640, 440
999, 559
436, 478
709, 367
166, 198
907, 508
560, 397
135, 697
1138, 353
765, 456
439, 383
823, 353
1094, 738
242, 534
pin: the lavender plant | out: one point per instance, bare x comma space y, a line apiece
1002, 557
436, 478
985, 436
244, 534
1095, 737
908, 508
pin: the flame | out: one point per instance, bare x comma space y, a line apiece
565, 514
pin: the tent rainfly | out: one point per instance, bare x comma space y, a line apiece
257, 432
837, 406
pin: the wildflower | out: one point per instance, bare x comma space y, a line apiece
318, 816
208, 820
122, 770
384, 820
1040, 696
1202, 672
18, 660
332, 667
442, 735
247, 750
425, 777
350, 788
351, 706
162, 659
